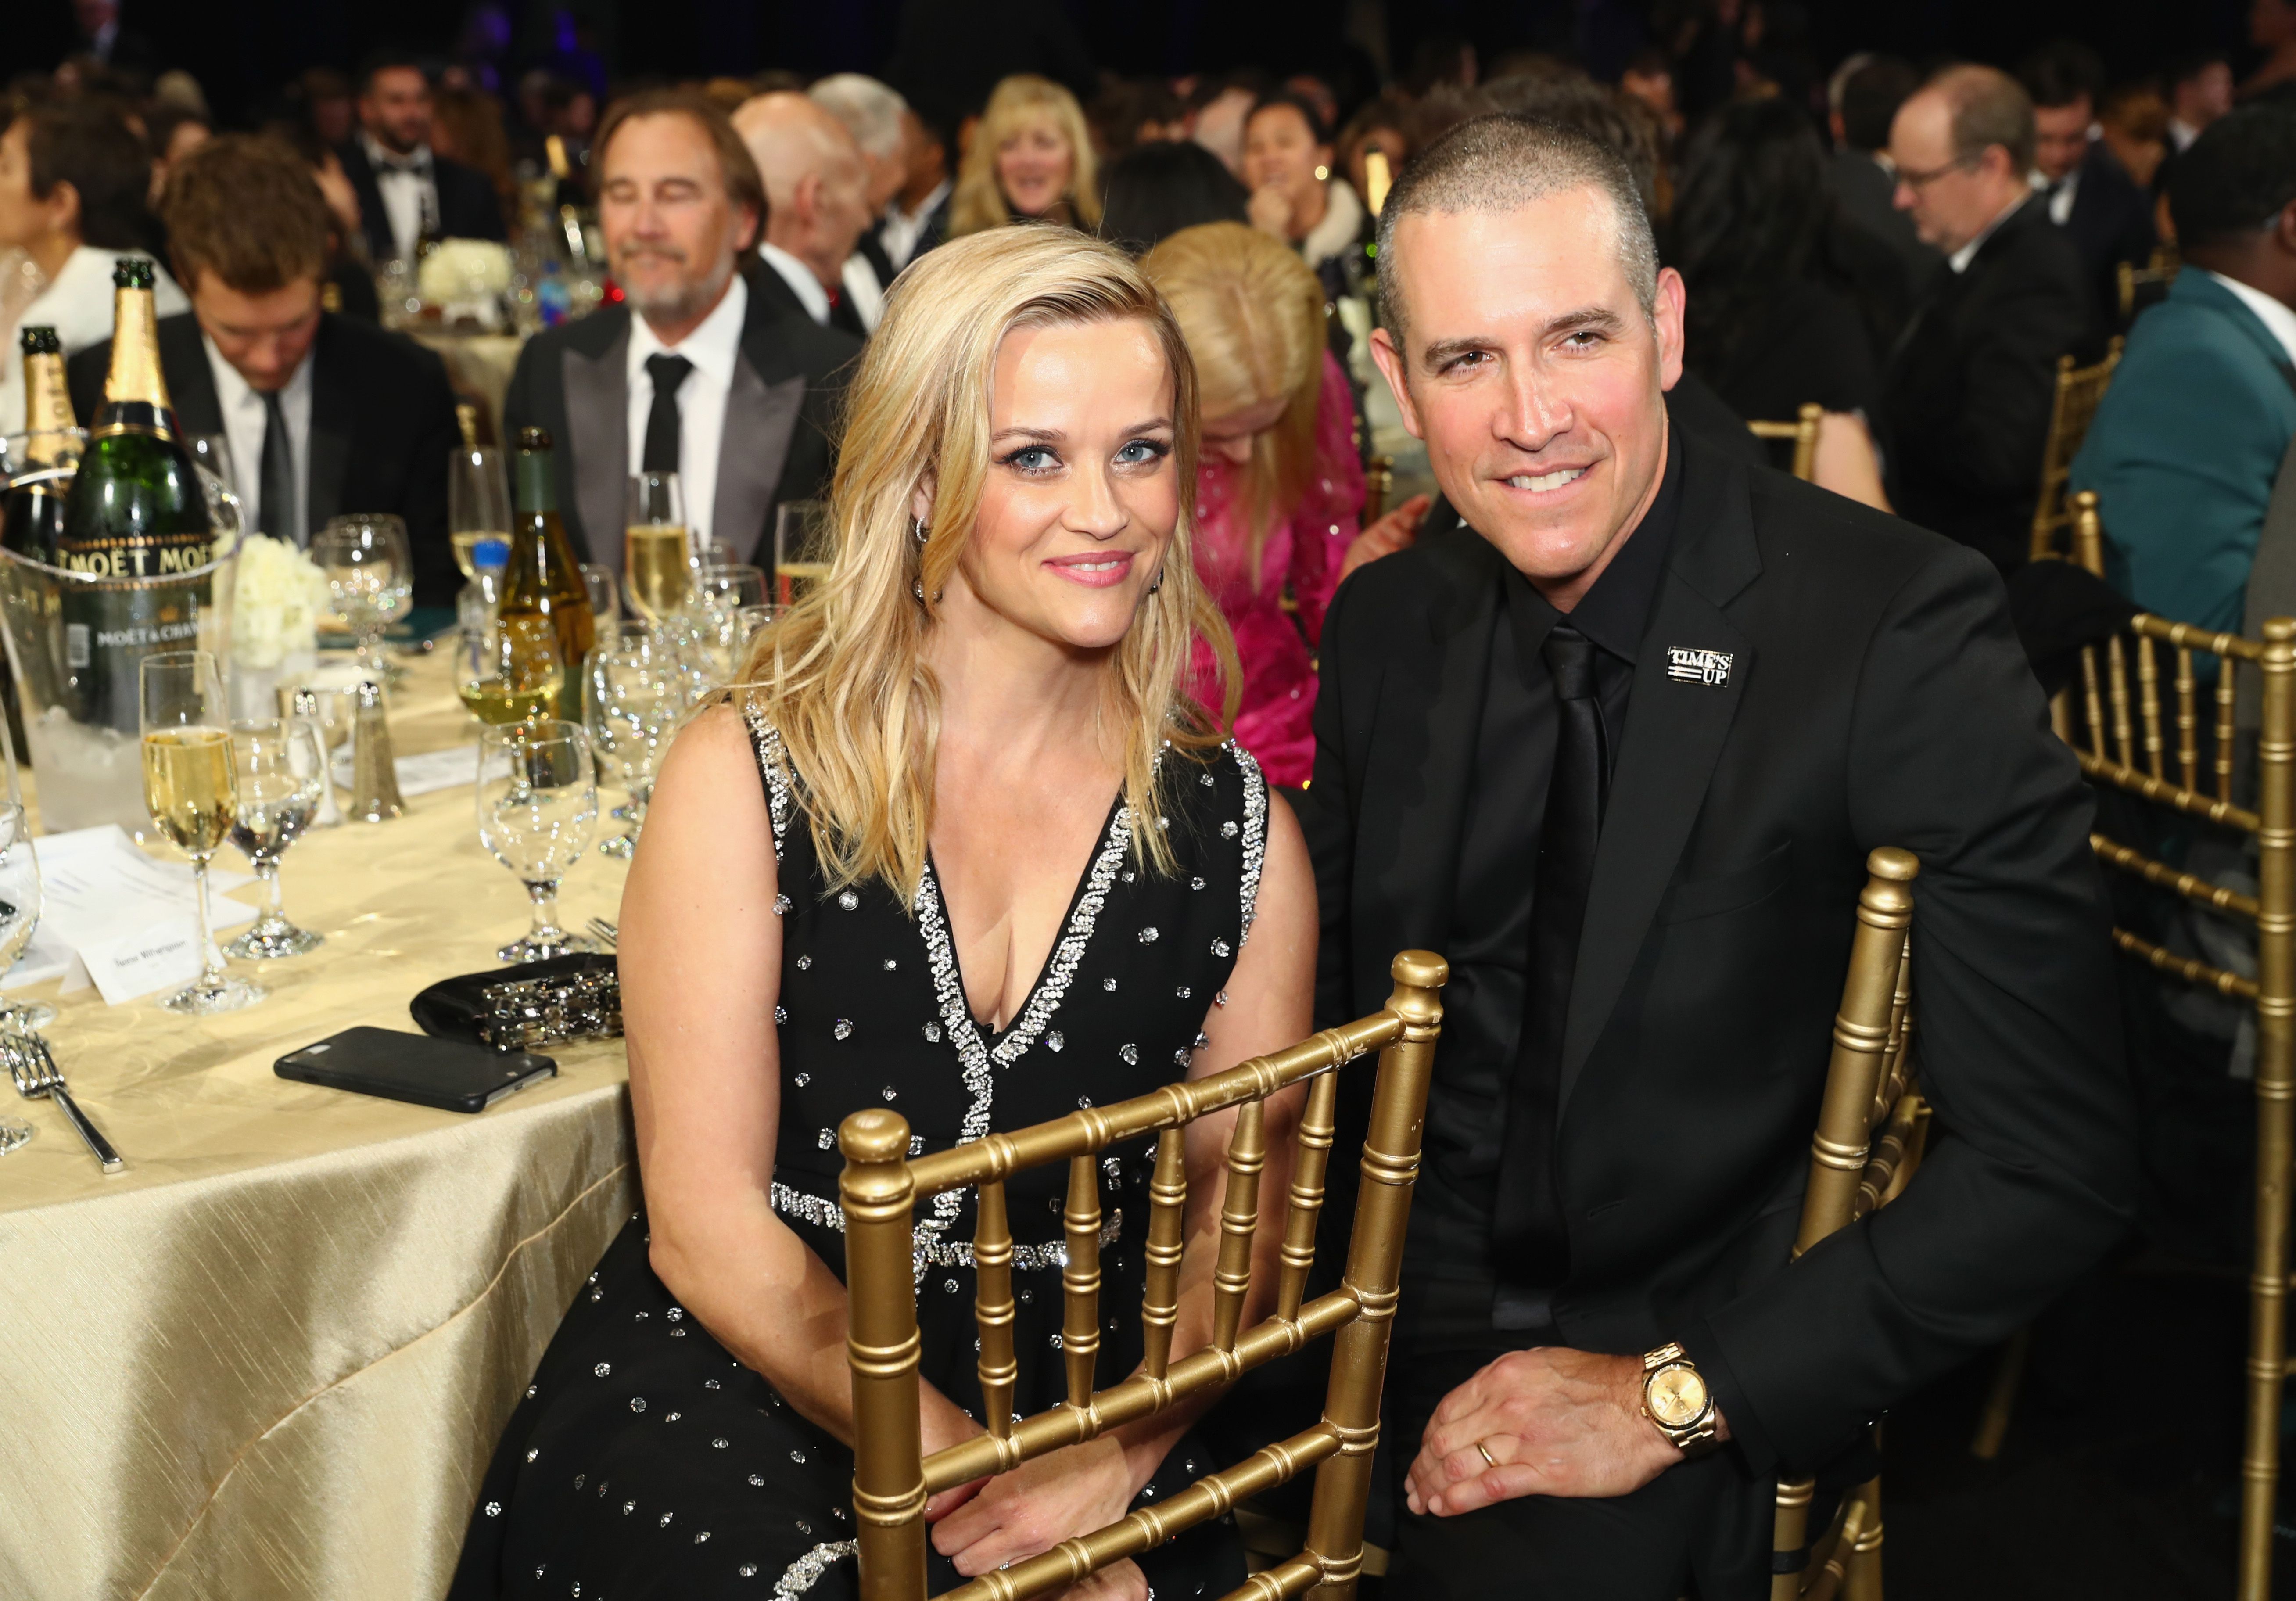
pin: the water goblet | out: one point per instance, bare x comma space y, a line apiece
20, 908
720, 592
190, 788
282, 767
370, 582
636, 697
605, 596
537, 800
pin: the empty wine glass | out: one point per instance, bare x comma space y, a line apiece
282, 768
190, 788
213, 452
537, 815
721, 593
370, 582
635, 695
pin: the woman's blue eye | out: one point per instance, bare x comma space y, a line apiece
1033, 458
1140, 451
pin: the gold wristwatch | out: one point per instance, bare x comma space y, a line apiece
1677, 1401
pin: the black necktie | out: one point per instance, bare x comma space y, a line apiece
1528, 1250
278, 505
668, 372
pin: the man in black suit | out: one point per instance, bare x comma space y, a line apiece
405, 190
325, 414
1966, 394
918, 218
695, 373
1619, 748
2088, 193
816, 207
1869, 97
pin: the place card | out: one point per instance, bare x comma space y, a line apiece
165, 955
100, 888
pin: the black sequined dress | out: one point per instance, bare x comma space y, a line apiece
644, 1460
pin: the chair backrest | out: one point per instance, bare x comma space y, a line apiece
2141, 285
2122, 741
881, 1186
1803, 431
1871, 1128
1379, 485
2079, 390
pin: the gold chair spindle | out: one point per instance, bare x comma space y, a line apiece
2093, 703
1168, 1226
1309, 1163
2188, 720
882, 1348
2148, 702
2227, 691
1247, 1154
2116, 665
992, 1307
1081, 1280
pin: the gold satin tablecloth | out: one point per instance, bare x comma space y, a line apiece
271, 1358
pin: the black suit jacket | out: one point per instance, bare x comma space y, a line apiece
382, 424
1876, 695
2112, 222
779, 439
1965, 396
468, 206
767, 284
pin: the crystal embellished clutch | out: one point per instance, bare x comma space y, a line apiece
526, 1012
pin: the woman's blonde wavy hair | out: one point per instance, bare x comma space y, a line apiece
978, 202
1254, 314
843, 678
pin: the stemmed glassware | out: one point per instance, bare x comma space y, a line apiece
538, 800
281, 770
190, 788
657, 546
21, 894
370, 582
635, 695
722, 591
804, 544
507, 669
478, 502
605, 596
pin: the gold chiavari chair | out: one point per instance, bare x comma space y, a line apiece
2124, 742
881, 1186
2079, 390
2159, 272
1872, 1126
1803, 431
1379, 484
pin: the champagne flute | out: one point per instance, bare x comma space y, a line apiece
370, 581
478, 502
508, 669
636, 696
190, 788
281, 770
657, 546
803, 546
537, 798
605, 606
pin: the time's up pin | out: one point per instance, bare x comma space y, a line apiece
1697, 667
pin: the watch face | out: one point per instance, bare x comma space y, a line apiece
1675, 1396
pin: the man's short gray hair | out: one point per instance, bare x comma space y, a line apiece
1499, 163
1988, 108
870, 110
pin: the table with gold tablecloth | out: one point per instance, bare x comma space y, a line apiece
271, 1358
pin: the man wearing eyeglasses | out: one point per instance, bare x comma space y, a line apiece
1967, 392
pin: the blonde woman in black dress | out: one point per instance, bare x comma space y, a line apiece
967, 850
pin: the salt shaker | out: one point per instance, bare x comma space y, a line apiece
374, 776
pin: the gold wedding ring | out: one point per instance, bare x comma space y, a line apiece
1486, 1451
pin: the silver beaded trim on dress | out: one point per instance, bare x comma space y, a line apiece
773, 763
806, 1571
1255, 834
823, 1212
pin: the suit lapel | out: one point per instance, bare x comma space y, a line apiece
191, 381
1673, 736
759, 420
334, 418
597, 422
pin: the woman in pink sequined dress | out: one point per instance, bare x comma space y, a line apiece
1279, 486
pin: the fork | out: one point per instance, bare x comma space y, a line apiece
602, 929
33, 1067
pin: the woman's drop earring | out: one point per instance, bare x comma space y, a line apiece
1157, 582
918, 527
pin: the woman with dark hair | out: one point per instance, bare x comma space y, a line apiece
1156, 189
73, 182
1771, 321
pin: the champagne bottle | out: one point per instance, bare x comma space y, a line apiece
544, 582
33, 513
136, 513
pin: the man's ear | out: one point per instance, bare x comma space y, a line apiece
1666, 321
1393, 368
745, 235
65, 198
2283, 228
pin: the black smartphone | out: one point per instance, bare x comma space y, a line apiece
445, 1073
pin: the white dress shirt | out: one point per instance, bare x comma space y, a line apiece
2277, 317
799, 278
407, 197
861, 288
901, 230
246, 421
2062, 194
715, 349
1960, 258
77, 304
2181, 133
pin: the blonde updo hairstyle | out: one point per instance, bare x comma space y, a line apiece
1253, 314
978, 201
843, 677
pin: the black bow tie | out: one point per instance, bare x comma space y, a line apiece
416, 166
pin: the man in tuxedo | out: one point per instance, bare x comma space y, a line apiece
696, 373
325, 414
816, 207
2185, 447
1619, 748
405, 189
873, 113
1863, 188
1966, 394
2090, 195
918, 218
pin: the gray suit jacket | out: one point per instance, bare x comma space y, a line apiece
778, 439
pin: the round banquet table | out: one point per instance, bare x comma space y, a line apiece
272, 1356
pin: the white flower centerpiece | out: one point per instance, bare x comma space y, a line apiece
466, 278
277, 606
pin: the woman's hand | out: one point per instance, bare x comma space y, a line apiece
1271, 212
1846, 462
1395, 531
942, 1425
1123, 1582
1038, 1505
